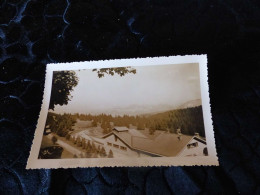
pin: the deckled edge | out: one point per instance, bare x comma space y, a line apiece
38, 121
210, 113
215, 161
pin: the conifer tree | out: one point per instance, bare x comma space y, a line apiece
98, 149
103, 152
68, 136
83, 143
93, 147
88, 145
54, 139
110, 154
79, 143
94, 123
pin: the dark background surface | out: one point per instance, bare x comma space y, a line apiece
34, 33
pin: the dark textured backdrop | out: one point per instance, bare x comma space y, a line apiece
33, 33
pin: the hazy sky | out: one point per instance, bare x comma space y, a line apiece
152, 88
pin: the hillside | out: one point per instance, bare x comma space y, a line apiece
189, 120
191, 104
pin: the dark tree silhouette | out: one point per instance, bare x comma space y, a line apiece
122, 71
63, 83
68, 136
205, 151
54, 139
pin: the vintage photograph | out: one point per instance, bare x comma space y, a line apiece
125, 112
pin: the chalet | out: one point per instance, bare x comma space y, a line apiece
131, 142
120, 140
195, 147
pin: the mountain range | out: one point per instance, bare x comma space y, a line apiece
147, 109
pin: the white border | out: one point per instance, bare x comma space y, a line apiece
211, 159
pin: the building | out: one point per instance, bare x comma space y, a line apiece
131, 142
121, 139
195, 147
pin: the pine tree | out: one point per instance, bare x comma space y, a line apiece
109, 128
54, 139
98, 149
79, 143
89, 151
88, 146
93, 147
68, 136
94, 123
103, 152
104, 127
151, 128
140, 126
83, 143
110, 154
127, 125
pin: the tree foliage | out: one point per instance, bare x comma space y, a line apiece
110, 154
54, 139
63, 83
103, 152
189, 120
67, 136
122, 71
61, 124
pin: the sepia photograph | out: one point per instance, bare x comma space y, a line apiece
126, 112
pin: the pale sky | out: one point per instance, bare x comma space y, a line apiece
151, 89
